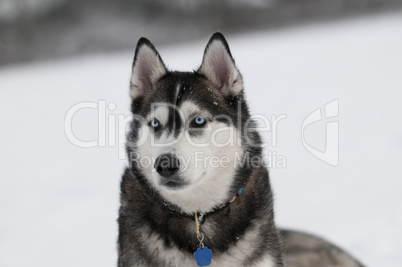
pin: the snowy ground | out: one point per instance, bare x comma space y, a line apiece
59, 202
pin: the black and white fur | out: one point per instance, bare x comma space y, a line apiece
156, 225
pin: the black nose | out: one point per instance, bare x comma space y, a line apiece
167, 165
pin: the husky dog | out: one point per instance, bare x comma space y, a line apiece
196, 191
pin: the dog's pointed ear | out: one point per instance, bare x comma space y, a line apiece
148, 68
219, 67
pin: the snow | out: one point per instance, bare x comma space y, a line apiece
59, 202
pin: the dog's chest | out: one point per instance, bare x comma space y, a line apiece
239, 253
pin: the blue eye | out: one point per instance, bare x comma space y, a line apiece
154, 123
199, 121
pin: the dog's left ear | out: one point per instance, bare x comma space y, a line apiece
219, 67
148, 68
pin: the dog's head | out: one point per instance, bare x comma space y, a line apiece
188, 132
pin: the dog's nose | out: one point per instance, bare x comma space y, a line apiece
167, 165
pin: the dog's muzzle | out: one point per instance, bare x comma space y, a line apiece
168, 166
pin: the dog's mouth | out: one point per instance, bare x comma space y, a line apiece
173, 182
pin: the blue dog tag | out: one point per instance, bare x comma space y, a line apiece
203, 256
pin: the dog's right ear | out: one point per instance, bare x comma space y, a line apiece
219, 67
148, 68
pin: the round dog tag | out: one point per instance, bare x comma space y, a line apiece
203, 256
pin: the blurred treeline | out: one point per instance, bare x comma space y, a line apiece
44, 29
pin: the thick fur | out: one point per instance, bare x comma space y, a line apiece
305, 250
156, 225
241, 235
